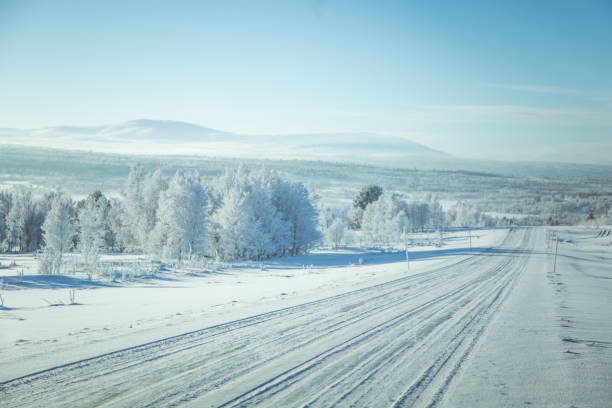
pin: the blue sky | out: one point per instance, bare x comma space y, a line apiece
515, 80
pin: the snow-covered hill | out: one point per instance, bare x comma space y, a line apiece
155, 131
170, 137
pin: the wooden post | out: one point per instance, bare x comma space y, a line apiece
407, 259
406, 248
556, 252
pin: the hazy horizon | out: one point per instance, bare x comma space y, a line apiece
48, 137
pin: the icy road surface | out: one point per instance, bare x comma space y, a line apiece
483, 331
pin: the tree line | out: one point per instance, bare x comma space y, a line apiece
241, 214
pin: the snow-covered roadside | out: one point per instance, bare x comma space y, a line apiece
551, 343
35, 335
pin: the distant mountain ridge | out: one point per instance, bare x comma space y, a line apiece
146, 136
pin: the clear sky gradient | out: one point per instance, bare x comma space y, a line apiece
514, 80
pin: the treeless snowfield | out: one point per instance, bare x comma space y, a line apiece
488, 326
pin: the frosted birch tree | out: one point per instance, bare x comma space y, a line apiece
181, 229
153, 185
257, 215
133, 214
234, 227
58, 232
5, 205
334, 234
91, 235
23, 222
293, 202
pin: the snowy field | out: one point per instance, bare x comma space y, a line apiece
488, 326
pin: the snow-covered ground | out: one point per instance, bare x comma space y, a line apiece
41, 329
491, 325
551, 343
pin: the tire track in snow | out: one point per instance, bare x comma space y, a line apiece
262, 394
236, 371
381, 329
201, 384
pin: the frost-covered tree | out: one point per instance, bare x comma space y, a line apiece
326, 217
437, 217
247, 224
133, 214
364, 198
120, 234
58, 233
467, 215
334, 234
257, 215
332, 224
384, 220
154, 184
418, 214
235, 228
367, 195
270, 232
91, 234
14, 224
181, 230
222, 184
293, 202
139, 208
5, 205
104, 207
23, 222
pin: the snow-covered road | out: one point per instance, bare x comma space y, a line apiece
408, 342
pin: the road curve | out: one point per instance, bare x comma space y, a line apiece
396, 344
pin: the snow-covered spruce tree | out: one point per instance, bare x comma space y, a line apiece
58, 233
91, 234
364, 198
181, 228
